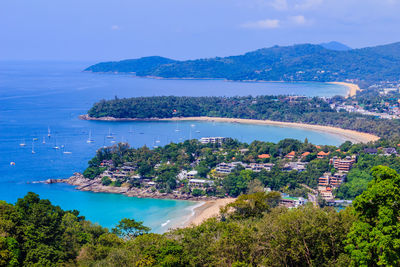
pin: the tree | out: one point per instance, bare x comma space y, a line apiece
129, 229
374, 239
251, 205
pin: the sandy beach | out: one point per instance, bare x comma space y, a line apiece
207, 210
353, 136
353, 88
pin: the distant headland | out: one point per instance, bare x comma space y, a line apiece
303, 62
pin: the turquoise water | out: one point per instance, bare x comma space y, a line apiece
38, 95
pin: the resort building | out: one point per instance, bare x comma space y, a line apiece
212, 140
343, 165
305, 154
227, 168
323, 181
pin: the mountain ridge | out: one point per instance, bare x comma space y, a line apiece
300, 62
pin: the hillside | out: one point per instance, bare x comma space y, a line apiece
304, 62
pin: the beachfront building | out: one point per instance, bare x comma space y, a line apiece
212, 140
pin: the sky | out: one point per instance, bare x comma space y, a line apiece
98, 30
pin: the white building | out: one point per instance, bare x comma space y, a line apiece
212, 140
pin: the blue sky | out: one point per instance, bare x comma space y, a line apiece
182, 29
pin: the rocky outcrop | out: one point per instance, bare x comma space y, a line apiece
83, 184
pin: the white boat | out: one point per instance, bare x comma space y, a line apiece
110, 136
44, 140
90, 140
177, 127
48, 132
22, 143
33, 149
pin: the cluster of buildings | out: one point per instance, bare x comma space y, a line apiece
227, 168
328, 182
212, 140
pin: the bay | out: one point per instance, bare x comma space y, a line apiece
37, 96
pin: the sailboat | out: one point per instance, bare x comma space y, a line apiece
33, 149
110, 136
130, 130
22, 143
90, 140
177, 127
44, 140
48, 132
66, 152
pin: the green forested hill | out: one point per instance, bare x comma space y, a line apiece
304, 62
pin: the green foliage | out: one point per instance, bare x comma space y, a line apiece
106, 180
198, 192
374, 239
129, 229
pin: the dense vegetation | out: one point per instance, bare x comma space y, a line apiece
304, 62
279, 108
252, 231
191, 154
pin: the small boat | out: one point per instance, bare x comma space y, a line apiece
48, 132
33, 149
113, 141
110, 136
22, 143
90, 140
67, 152
197, 131
12, 163
35, 138
44, 140
56, 147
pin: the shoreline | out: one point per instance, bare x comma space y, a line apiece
207, 210
353, 88
351, 135
95, 186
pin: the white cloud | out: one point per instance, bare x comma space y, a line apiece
262, 24
298, 20
307, 4
115, 27
279, 4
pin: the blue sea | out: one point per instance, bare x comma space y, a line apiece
37, 96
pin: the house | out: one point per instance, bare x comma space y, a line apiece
337, 179
326, 194
291, 155
191, 174
227, 168
212, 140
305, 154
322, 154
264, 156
292, 202
323, 181
200, 183
243, 151
389, 151
371, 151
295, 166
257, 167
